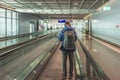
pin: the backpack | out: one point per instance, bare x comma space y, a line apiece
69, 39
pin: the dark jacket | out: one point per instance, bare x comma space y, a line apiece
61, 38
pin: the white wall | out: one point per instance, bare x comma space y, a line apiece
24, 22
105, 27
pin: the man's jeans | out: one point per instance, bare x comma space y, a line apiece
64, 61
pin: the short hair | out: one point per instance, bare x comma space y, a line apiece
67, 23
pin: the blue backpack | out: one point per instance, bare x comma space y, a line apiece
69, 39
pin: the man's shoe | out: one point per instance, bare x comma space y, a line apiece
70, 76
63, 77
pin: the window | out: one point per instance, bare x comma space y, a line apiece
2, 22
17, 27
9, 29
2, 12
14, 27
8, 14
32, 25
8, 23
2, 27
14, 23
14, 15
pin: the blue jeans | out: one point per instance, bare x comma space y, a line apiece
64, 62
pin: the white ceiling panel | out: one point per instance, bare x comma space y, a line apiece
65, 10
47, 10
63, 7
57, 10
1, 2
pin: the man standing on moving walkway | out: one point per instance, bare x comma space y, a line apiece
68, 37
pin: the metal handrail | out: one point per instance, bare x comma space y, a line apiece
101, 74
8, 49
16, 36
42, 64
20, 35
80, 75
24, 44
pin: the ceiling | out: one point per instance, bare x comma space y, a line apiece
55, 9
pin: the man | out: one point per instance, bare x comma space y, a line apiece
69, 50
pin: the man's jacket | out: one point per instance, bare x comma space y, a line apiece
61, 38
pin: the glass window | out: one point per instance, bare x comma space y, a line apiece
9, 30
11, 18
2, 12
8, 14
16, 23
2, 27
17, 27
14, 15
9, 21
14, 27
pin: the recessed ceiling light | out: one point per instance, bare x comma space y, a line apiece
106, 8
38, 10
75, 7
19, 5
44, 7
2, 2
29, 10
94, 50
39, 3
47, 10
75, 3
10, 1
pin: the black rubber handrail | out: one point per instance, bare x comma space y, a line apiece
81, 75
101, 74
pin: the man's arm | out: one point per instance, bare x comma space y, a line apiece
75, 36
60, 36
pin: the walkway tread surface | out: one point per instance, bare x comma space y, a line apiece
53, 70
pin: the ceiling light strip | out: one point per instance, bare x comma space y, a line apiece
86, 17
6, 7
81, 5
47, 5
59, 6
70, 6
93, 4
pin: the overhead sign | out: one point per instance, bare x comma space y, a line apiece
61, 21
106, 8
46, 21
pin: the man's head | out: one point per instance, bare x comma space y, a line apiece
67, 24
